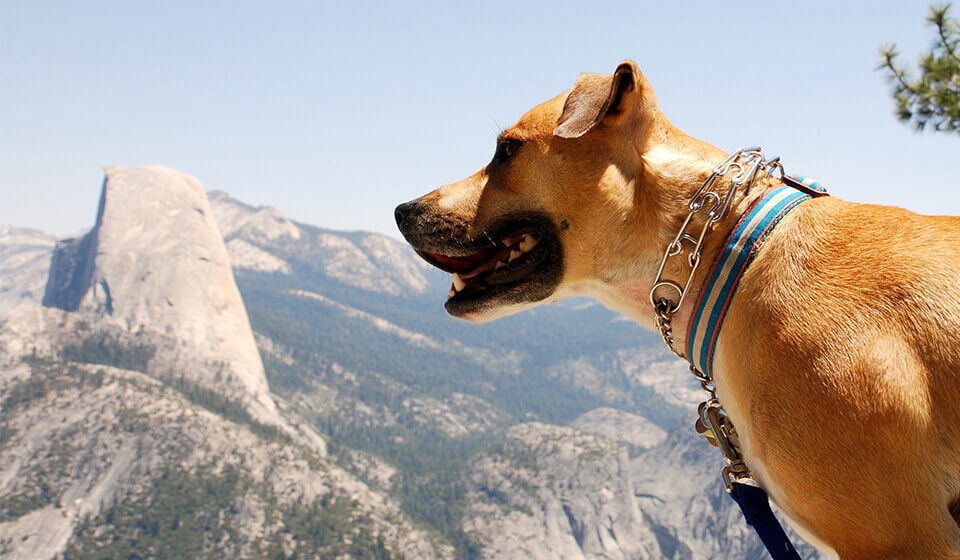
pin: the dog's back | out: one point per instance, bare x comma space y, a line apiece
857, 308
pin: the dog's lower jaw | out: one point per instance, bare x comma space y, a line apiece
486, 314
495, 302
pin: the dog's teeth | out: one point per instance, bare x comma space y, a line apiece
499, 265
514, 255
511, 241
451, 293
458, 283
528, 243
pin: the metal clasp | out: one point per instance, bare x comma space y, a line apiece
713, 416
734, 472
714, 420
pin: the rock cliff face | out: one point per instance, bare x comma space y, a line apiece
618, 425
680, 493
557, 493
155, 264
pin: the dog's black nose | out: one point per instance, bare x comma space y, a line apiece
403, 212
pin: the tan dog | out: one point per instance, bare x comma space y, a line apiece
839, 361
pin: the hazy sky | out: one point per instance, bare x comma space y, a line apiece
334, 112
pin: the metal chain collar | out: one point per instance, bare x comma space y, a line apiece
744, 166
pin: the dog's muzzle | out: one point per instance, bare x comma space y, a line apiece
517, 259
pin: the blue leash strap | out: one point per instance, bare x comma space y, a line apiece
755, 505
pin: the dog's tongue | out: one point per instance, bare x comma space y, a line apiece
454, 264
489, 264
468, 266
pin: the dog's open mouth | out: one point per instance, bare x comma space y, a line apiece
499, 264
522, 263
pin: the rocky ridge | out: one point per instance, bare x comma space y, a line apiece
83, 466
371, 262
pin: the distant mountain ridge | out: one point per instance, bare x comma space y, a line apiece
24, 262
368, 261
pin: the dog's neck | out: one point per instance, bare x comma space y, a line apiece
678, 175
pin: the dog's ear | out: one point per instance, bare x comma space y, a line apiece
594, 97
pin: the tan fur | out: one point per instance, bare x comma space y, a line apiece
839, 361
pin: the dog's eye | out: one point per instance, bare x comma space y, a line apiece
506, 149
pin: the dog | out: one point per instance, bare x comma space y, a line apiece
839, 356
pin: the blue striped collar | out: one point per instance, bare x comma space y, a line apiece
738, 251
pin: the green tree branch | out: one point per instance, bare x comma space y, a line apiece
931, 101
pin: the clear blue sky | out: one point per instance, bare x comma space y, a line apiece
334, 112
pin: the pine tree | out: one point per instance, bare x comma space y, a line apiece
931, 101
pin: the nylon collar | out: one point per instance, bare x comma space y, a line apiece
741, 246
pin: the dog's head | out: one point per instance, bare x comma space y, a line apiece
565, 206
